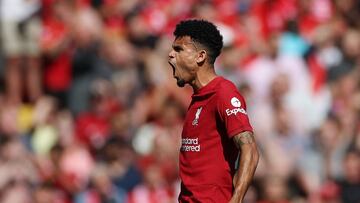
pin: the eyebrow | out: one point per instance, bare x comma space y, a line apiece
177, 47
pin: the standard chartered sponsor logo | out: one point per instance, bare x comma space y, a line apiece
190, 145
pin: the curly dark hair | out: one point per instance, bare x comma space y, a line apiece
202, 32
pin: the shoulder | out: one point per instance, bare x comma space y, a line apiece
226, 85
228, 94
226, 89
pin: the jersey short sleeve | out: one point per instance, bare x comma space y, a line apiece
231, 107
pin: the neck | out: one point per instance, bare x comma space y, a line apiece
203, 77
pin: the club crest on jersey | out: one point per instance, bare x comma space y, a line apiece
197, 115
237, 104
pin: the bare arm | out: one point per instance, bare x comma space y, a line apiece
248, 161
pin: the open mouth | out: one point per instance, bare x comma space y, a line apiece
171, 64
173, 68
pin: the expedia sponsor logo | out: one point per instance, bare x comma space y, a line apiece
190, 145
237, 104
235, 111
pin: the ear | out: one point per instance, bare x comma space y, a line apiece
201, 56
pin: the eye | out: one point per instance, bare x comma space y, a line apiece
177, 48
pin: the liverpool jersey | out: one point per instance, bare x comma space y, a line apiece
208, 154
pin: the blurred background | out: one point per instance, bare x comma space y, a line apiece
90, 113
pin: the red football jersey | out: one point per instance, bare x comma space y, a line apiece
208, 154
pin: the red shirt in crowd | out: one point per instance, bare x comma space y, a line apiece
208, 154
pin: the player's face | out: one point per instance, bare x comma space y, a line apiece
182, 59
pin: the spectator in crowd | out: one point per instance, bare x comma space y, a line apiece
350, 183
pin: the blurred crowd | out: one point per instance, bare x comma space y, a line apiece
90, 113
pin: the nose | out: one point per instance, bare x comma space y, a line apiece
171, 54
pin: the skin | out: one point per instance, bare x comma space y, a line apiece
249, 158
190, 64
